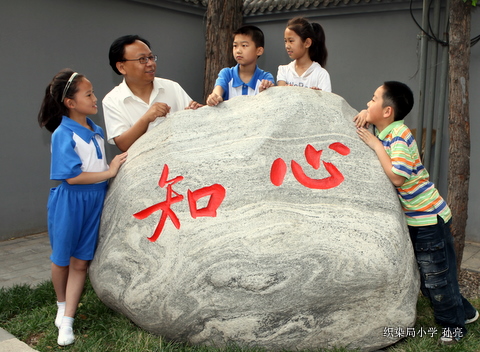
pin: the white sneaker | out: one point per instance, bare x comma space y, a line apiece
447, 341
471, 320
65, 336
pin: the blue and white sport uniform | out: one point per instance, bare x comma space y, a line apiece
74, 211
233, 86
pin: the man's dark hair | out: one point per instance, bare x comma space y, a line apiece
254, 32
117, 49
399, 96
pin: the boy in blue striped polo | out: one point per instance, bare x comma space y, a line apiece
246, 78
428, 215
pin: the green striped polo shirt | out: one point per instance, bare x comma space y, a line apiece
420, 199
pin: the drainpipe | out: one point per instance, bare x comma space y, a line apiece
423, 64
441, 101
429, 113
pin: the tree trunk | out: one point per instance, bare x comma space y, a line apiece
223, 17
459, 121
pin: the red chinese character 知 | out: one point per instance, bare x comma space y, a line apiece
216, 193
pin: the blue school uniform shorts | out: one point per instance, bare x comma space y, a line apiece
74, 213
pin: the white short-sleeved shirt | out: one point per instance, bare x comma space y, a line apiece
122, 109
314, 76
233, 86
76, 149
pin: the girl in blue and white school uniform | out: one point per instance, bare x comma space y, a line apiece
75, 206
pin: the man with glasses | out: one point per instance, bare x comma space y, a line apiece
142, 100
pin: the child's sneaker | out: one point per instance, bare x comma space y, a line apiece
450, 340
451, 336
471, 320
65, 336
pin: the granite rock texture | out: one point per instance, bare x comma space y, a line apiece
308, 248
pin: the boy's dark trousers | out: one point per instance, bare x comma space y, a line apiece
435, 254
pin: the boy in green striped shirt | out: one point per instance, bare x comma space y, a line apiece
428, 215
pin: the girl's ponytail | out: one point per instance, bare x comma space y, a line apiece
319, 51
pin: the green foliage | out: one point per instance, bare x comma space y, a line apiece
29, 314
474, 2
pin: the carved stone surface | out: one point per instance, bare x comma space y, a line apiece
308, 248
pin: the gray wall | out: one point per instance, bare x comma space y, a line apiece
38, 38
473, 224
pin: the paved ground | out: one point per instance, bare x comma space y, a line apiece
471, 256
26, 260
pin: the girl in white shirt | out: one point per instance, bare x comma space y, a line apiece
305, 44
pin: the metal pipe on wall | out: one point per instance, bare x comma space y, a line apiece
422, 76
432, 67
441, 100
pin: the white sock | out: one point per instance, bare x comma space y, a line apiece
60, 313
67, 322
65, 333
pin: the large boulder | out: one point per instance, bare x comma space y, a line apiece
264, 221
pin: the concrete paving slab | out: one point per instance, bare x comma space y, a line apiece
9, 343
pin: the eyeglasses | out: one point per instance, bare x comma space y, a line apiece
144, 60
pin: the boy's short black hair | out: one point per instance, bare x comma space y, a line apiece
254, 32
117, 49
399, 96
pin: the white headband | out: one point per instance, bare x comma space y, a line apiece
72, 77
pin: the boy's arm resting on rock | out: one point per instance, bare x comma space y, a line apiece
361, 119
265, 84
216, 97
376, 145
